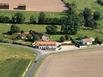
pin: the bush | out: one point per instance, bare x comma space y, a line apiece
18, 18
98, 41
14, 29
32, 20
51, 29
62, 39
4, 19
100, 2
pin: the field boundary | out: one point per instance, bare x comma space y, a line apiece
23, 75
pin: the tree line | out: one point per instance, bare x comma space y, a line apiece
73, 21
69, 23
19, 18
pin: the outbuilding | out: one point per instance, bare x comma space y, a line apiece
45, 45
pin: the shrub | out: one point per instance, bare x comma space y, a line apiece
14, 29
62, 39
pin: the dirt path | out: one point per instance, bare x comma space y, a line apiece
37, 5
81, 63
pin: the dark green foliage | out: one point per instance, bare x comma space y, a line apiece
18, 18
70, 23
21, 31
32, 20
41, 18
87, 13
4, 19
29, 38
14, 29
98, 41
96, 15
100, 2
88, 19
51, 29
32, 38
67, 37
62, 39
52, 21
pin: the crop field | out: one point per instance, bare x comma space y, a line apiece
14, 60
77, 63
37, 5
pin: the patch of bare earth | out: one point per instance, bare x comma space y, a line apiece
81, 63
37, 5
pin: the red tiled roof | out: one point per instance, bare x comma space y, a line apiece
87, 40
45, 43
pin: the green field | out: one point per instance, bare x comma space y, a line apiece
26, 27
14, 60
27, 14
41, 28
81, 4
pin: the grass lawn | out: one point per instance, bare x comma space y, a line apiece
14, 60
26, 27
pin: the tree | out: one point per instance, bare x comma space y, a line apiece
98, 41
62, 39
4, 19
67, 37
29, 38
70, 23
100, 2
51, 29
88, 19
87, 13
96, 15
32, 38
41, 18
32, 19
14, 29
18, 18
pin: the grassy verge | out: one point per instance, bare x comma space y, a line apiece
14, 60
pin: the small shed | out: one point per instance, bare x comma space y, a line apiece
87, 41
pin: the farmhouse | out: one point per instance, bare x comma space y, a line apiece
87, 41
45, 45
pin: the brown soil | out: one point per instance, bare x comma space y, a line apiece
37, 5
81, 63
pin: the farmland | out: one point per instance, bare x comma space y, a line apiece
81, 4
77, 63
35, 5
41, 28
14, 60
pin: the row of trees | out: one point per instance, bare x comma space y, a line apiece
91, 18
19, 18
72, 21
